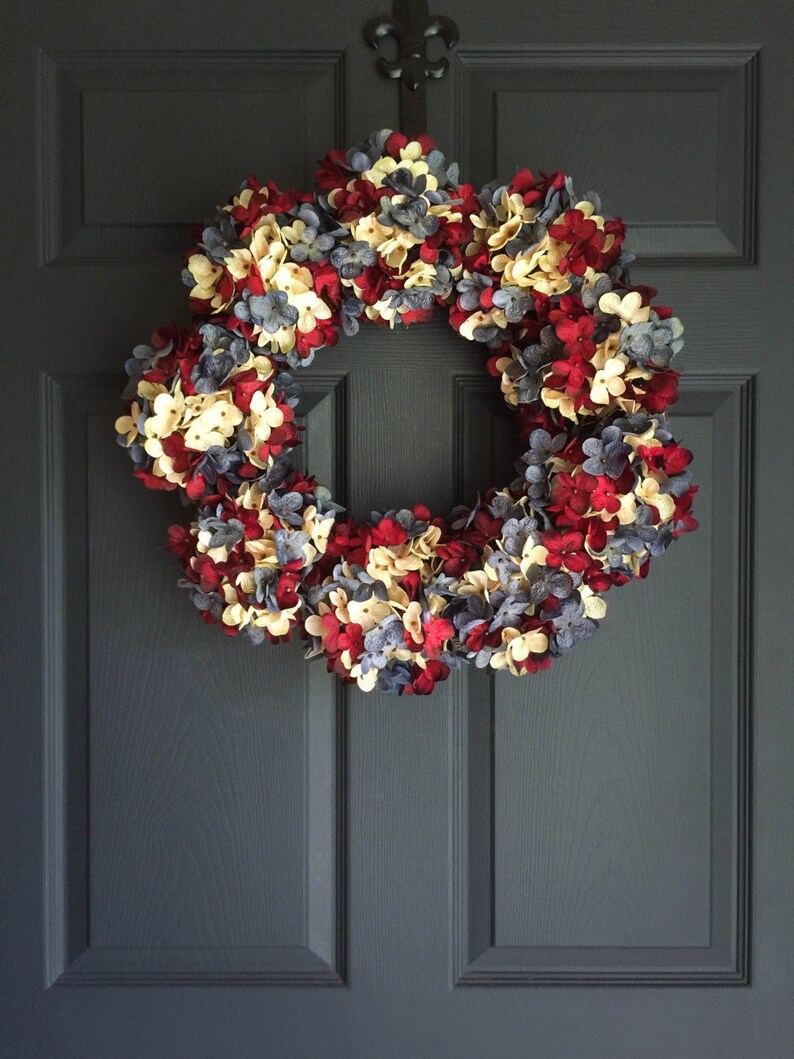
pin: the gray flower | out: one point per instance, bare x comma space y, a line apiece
289, 546
526, 238
504, 507
470, 290
615, 555
287, 508
222, 534
607, 455
510, 607
144, 358
467, 611
515, 303
394, 677
504, 566
537, 482
409, 298
351, 259
218, 240
319, 235
411, 215
404, 182
639, 534
269, 311
324, 503
210, 602
276, 474
265, 586
313, 245
491, 336
413, 526
212, 370
542, 446
366, 154
254, 634
219, 461
358, 585
386, 636
446, 175
544, 581
655, 342
590, 295
352, 308
572, 624
517, 531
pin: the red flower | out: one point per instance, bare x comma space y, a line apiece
330, 624
567, 549
570, 308
571, 494
683, 520
661, 390
437, 630
670, 459
604, 497
180, 541
572, 374
458, 557
577, 334
352, 640
427, 678
358, 200
287, 589
332, 171
246, 384
151, 481
388, 532
533, 664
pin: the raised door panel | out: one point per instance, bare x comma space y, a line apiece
600, 809
194, 787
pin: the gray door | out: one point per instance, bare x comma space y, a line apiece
212, 850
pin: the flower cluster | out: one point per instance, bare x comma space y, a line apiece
245, 558
533, 272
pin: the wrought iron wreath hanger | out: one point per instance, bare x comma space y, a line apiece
411, 25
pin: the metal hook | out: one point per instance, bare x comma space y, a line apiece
412, 26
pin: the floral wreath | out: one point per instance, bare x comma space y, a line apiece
533, 272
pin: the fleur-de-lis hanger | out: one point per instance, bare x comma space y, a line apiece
412, 26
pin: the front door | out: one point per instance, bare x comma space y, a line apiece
216, 850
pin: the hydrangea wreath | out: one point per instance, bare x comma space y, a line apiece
533, 272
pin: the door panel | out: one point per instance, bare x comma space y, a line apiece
205, 836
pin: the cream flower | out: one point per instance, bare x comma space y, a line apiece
370, 231
298, 284
516, 647
494, 317
366, 681
608, 382
412, 621
594, 606
128, 424
276, 622
394, 250
206, 276
560, 400
368, 613
318, 529
384, 564
532, 555
650, 492
168, 411
629, 308
264, 416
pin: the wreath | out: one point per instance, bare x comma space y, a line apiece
530, 270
